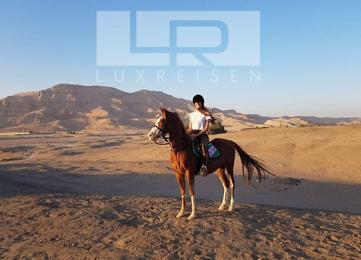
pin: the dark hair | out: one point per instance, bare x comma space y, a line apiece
213, 119
198, 98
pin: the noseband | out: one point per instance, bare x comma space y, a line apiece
161, 129
168, 139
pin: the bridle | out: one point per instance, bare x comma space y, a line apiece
168, 139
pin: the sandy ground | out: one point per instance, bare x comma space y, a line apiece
113, 195
117, 227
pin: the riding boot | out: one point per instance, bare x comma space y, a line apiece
203, 171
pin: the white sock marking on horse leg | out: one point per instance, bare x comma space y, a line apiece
231, 204
193, 214
181, 211
224, 201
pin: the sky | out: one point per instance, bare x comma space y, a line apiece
309, 63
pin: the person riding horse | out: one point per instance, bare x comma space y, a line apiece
198, 126
169, 127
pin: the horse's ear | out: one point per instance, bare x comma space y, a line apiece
162, 109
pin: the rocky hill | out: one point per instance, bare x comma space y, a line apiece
287, 122
68, 107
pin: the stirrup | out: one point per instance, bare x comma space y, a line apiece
203, 171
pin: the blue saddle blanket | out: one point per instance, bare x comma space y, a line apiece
213, 152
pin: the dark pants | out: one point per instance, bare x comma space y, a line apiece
203, 140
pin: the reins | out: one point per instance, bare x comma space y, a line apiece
168, 139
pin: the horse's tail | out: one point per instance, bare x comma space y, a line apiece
251, 164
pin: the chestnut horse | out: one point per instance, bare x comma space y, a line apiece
185, 163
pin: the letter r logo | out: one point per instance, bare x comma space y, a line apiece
178, 38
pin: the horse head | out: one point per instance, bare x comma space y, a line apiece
168, 123
159, 129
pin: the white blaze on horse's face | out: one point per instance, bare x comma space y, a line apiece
155, 133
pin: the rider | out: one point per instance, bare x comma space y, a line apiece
198, 127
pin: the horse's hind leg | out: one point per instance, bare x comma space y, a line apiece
232, 186
221, 175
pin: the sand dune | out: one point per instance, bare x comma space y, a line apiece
329, 154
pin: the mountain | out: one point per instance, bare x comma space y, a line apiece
75, 107
68, 107
302, 121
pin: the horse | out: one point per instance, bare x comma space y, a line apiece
170, 128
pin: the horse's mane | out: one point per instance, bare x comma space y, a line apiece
179, 121
177, 118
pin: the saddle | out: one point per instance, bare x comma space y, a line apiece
213, 152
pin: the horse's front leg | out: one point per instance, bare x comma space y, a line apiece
190, 178
182, 188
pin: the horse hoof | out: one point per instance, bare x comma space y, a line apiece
191, 216
230, 208
222, 207
180, 214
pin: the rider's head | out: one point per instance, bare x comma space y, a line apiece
198, 101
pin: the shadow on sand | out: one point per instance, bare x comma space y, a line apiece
25, 179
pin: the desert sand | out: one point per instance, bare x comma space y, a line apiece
112, 195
